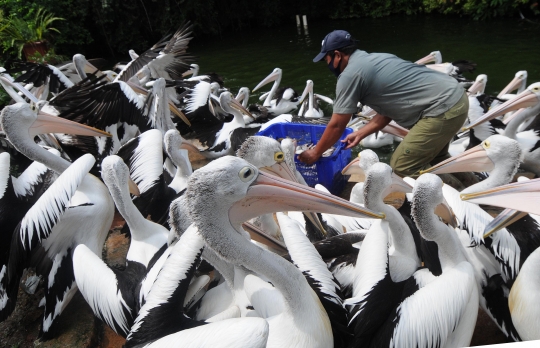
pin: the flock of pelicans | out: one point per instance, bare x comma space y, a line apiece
241, 253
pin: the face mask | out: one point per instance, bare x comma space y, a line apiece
335, 71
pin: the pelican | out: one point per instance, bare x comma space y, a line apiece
279, 100
165, 301
512, 245
112, 294
232, 134
530, 98
17, 196
233, 183
434, 57
519, 196
87, 220
312, 110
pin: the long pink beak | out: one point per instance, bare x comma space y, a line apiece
522, 196
472, 160
523, 100
46, 123
513, 85
505, 218
270, 194
272, 77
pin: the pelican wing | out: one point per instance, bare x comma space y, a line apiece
166, 297
100, 104
144, 157
41, 74
199, 96
38, 223
430, 315
4, 172
99, 286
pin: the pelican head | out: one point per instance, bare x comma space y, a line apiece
115, 174
360, 165
23, 120
479, 84
518, 82
173, 140
233, 185
229, 104
275, 75
495, 150
428, 201
434, 57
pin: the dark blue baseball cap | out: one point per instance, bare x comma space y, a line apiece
333, 41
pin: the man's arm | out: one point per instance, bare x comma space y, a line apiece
332, 133
377, 123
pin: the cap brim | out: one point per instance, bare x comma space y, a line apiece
319, 57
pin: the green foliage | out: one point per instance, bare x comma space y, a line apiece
481, 9
15, 32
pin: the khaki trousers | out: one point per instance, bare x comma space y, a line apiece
428, 140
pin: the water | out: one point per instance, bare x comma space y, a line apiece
500, 48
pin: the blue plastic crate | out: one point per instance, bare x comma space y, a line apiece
327, 170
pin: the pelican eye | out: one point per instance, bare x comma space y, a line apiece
486, 144
246, 174
279, 156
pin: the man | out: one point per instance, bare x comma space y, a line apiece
429, 103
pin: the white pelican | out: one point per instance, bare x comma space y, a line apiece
113, 294
279, 100
523, 294
232, 134
17, 196
530, 98
312, 109
434, 57
237, 191
510, 246
75, 210
161, 321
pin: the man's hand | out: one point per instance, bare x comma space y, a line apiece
309, 156
352, 139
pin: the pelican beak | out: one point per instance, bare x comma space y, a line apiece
309, 87
269, 194
446, 213
522, 196
523, 100
513, 85
398, 185
46, 123
472, 160
133, 188
282, 170
272, 77
258, 235
189, 147
505, 218
353, 167
89, 68
178, 113
430, 58
395, 129
236, 105
514, 115
476, 87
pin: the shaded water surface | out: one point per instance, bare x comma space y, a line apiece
500, 47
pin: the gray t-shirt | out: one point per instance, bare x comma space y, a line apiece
395, 88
